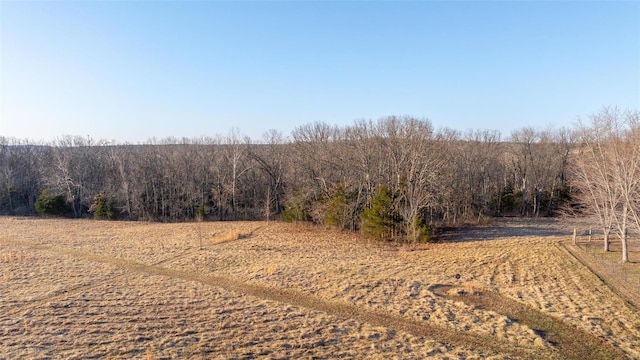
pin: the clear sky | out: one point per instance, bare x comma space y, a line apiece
132, 70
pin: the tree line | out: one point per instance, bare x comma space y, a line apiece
393, 178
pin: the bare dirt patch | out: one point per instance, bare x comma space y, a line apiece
136, 290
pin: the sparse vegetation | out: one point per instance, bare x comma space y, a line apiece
228, 236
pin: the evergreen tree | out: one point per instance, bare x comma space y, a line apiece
296, 209
380, 219
336, 215
421, 232
200, 213
102, 208
49, 204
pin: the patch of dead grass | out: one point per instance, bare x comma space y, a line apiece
623, 277
230, 235
568, 341
124, 312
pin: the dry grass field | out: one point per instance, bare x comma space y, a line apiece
75, 289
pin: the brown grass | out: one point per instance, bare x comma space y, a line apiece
86, 289
624, 278
569, 341
228, 236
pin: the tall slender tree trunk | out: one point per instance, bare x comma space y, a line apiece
625, 250
623, 231
523, 210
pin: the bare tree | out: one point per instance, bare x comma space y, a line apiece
625, 164
597, 193
608, 169
473, 173
270, 158
235, 162
327, 174
415, 165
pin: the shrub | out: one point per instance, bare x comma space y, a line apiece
295, 209
102, 208
49, 204
293, 213
422, 231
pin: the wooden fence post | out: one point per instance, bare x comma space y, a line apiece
574, 235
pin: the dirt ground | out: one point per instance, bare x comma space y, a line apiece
76, 289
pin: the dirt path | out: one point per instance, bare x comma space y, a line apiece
341, 309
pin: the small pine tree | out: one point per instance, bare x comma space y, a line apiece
111, 212
200, 213
101, 208
380, 219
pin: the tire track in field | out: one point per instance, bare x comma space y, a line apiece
340, 309
619, 288
570, 292
569, 341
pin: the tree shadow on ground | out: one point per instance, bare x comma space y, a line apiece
501, 229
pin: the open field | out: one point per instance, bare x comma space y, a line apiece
90, 289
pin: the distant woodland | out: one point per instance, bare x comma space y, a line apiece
393, 178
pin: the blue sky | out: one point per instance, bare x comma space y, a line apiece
132, 70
